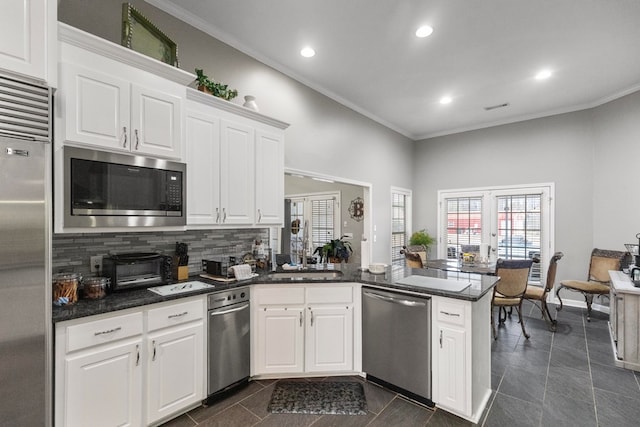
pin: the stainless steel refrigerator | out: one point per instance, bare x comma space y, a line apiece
25, 298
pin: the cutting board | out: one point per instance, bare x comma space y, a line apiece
435, 283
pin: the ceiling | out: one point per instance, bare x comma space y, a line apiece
481, 54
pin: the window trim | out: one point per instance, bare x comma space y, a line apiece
408, 215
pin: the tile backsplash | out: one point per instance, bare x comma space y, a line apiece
72, 252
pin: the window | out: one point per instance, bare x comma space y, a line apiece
400, 223
516, 223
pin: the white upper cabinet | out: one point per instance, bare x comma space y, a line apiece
235, 158
116, 99
269, 178
237, 170
28, 39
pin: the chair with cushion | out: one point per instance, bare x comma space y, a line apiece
510, 289
415, 255
538, 294
598, 280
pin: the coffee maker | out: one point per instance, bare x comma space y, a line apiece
634, 269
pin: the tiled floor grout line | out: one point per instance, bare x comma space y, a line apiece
593, 391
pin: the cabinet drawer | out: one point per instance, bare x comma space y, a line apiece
328, 295
103, 331
175, 314
280, 296
451, 313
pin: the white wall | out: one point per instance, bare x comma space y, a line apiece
591, 156
324, 137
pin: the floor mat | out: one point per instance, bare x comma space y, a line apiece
326, 397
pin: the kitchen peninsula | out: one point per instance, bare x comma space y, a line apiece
460, 331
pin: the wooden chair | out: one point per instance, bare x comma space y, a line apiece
510, 289
598, 280
538, 294
415, 255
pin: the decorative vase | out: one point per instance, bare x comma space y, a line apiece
250, 102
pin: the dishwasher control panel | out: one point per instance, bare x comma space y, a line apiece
228, 297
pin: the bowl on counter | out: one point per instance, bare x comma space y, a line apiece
377, 268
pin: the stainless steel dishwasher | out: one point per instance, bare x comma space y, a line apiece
228, 343
396, 342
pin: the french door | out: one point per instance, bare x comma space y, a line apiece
507, 222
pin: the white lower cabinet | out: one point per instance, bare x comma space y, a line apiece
305, 329
280, 340
110, 367
461, 355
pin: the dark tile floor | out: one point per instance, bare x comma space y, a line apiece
566, 378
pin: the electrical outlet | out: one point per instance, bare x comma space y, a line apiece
96, 264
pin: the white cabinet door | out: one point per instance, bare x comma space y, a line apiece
109, 112
280, 340
203, 173
155, 122
23, 25
96, 108
269, 178
329, 339
237, 173
104, 387
449, 367
175, 370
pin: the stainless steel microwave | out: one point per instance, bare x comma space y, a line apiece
104, 189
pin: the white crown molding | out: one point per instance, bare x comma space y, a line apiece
73, 36
221, 104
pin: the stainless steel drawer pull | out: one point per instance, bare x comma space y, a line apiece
154, 351
446, 313
173, 316
110, 331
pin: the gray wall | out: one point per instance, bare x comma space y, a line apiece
324, 137
591, 156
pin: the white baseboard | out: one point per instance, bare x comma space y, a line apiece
580, 304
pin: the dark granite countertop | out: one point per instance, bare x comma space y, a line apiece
479, 286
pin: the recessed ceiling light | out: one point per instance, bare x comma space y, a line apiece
307, 52
424, 31
543, 74
445, 100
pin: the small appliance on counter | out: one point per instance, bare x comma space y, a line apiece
137, 270
219, 266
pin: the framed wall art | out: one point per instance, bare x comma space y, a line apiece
139, 34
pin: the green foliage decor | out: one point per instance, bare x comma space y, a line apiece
337, 249
421, 237
216, 89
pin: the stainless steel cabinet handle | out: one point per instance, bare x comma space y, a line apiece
446, 313
224, 214
124, 134
138, 354
440, 338
300, 318
110, 331
154, 350
217, 215
172, 316
137, 139
259, 216
311, 311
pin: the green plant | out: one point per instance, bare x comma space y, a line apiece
421, 237
216, 89
337, 249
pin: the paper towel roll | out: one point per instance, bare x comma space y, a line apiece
364, 254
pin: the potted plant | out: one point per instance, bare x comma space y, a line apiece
421, 237
205, 84
335, 251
